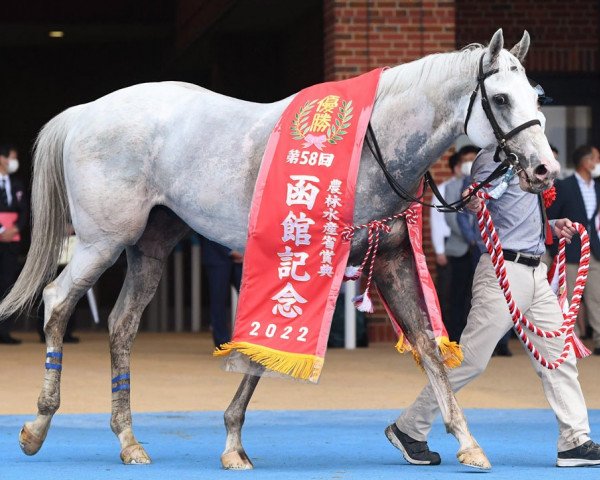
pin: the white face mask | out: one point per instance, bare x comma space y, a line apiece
465, 168
596, 171
13, 165
542, 118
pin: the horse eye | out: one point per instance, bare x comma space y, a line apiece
501, 99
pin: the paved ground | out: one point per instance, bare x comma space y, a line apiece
286, 445
294, 431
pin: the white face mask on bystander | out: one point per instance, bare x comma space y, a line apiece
13, 165
596, 171
465, 168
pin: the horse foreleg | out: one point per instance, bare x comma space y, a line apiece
234, 456
60, 297
144, 267
396, 277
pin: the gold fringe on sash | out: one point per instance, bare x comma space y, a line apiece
297, 365
451, 352
402, 345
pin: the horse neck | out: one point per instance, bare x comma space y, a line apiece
420, 112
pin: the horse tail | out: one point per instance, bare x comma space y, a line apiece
49, 215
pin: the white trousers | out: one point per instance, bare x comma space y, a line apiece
489, 319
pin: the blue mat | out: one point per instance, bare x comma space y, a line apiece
521, 444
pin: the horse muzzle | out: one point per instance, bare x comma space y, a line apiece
537, 179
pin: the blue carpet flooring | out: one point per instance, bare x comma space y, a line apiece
294, 445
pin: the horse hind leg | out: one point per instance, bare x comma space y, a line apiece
395, 272
60, 297
145, 263
234, 457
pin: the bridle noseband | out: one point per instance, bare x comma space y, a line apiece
501, 137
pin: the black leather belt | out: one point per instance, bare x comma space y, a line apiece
518, 257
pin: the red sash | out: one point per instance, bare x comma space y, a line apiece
304, 195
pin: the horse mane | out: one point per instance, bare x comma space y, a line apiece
436, 68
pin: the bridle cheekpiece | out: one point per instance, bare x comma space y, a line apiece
501, 137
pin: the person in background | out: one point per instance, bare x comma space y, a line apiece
223, 269
453, 260
578, 197
337, 333
14, 212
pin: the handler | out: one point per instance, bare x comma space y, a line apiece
519, 221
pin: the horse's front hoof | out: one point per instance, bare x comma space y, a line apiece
135, 455
236, 461
29, 443
474, 457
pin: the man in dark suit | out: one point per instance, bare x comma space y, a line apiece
578, 198
13, 220
223, 269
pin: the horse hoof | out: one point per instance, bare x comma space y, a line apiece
474, 457
236, 461
29, 443
135, 455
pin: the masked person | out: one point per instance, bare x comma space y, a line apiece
14, 211
453, 260
578, 197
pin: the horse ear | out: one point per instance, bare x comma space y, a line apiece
496, 45
521, 48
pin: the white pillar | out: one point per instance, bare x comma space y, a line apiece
93, 306
234, 302
349, 316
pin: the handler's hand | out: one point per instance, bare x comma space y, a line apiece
475, 203
236, 257
441, 259
9, 234
564, 229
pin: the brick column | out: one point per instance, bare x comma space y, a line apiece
362, 35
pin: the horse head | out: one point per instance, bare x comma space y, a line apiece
503, 110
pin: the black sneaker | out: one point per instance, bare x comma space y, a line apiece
581, 456
414, 452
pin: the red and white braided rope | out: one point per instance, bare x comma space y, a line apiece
494, 248
374, 227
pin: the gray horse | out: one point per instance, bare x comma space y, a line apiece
136, 169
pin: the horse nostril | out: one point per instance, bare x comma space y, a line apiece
540, 172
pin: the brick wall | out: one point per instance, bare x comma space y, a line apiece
565, 35
362, 35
